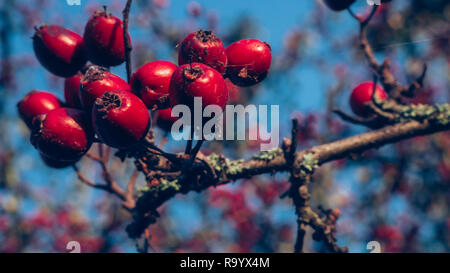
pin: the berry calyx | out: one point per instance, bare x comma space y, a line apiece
362, 95
96, 82
339, 5
36, 103
197, 80
60, 50
248, 62
203, 47
151, 82
103, 36
64, 134
165, 119
72, 90
121, 119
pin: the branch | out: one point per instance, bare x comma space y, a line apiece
217, 170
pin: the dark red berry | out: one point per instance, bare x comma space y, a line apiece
248, 61
120, 119
96, 82
59, 50
72, 90
165, 119
64, 134
203, 47
103, 36
36, 103
151, 81
197, 80
361, 95
338, 5
56, 164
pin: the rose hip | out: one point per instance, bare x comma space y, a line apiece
59, 50
103, 36
248, 61
121, 119
362, 95
36, 103
96, 82
197, 80
203, 47
56, 164
63, 134
151, 82
72, 90
165, 119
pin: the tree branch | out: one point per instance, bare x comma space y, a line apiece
226, 171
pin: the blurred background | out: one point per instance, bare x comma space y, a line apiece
398, 195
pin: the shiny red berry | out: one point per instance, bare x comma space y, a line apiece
96, 82
165, 119
36, 103
338, 5
248, 61
103, 36
151, 81
64, 134
59, 50
72, 90
56, 164
197, 80
361, 95
203, 47
121, 119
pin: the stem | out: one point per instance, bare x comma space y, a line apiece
126, 38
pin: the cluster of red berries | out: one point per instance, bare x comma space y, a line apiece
99, 103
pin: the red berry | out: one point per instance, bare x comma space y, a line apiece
197, 80
203, 47
59, 50
96, 82
248, 61
36, 103
64, 134
56, 164
72, 90
165, 119
338, 5
103, 36
234, 91
151, 81
361, 95
120, 119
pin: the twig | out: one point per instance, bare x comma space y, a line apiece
294, 140
94, 157
83, 178
369, 18
126, 40
195, 151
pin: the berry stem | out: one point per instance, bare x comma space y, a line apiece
128, 47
